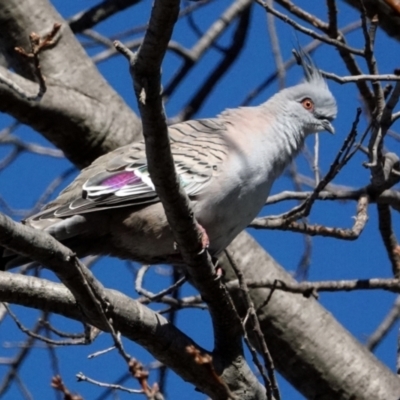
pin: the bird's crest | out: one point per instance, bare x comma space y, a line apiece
311, 72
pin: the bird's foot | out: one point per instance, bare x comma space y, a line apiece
205, 241
219, 272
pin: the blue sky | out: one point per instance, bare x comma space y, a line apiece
360, 312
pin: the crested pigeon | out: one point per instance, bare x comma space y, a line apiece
226, 165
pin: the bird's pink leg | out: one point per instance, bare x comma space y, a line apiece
205, 241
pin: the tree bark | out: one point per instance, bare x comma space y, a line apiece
85, 118
387, 11
80, 113
309, 347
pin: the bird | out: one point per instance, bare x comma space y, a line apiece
226, 165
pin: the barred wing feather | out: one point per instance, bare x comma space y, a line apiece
197, 146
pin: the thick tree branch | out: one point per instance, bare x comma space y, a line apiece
81, 114
87, 292
145, 67
61, 117
309, 347
135, 322
277, 318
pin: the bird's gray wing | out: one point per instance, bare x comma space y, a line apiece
121, 178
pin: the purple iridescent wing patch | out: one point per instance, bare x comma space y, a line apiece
121, 179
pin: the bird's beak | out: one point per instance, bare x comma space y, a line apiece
328, 126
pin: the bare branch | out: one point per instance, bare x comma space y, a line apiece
212, 34
151, 296
319, 230
231, 54
18, 361
333, 42
273, 37
369, 38
341, 159
270, 382
304, 15
332, 17
58, 384
89, 18
80, 340
383, 329
389, 238
134, 321
83, 378
308, 288
360, 78
190, 237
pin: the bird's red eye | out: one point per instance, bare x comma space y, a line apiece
307, 104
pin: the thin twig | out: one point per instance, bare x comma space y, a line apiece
270, 383
70, 342
360, 78
213, 33
389, 238
83, 378
18, 360
316, 160
384, 327
38, 44
304, 263
319, 230
333, 42
230, 56
152, 296
370, 59
308, 288
276, 51
304, 15
341, 159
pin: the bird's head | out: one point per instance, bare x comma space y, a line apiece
311, 103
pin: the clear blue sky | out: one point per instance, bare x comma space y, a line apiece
360, 312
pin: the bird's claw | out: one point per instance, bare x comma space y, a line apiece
205, 241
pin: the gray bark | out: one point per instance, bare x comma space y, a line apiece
388, 13
84, 117
81, 114
309, 347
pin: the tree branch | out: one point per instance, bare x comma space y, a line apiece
135, 322
145, 67
82, 132
305, 341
